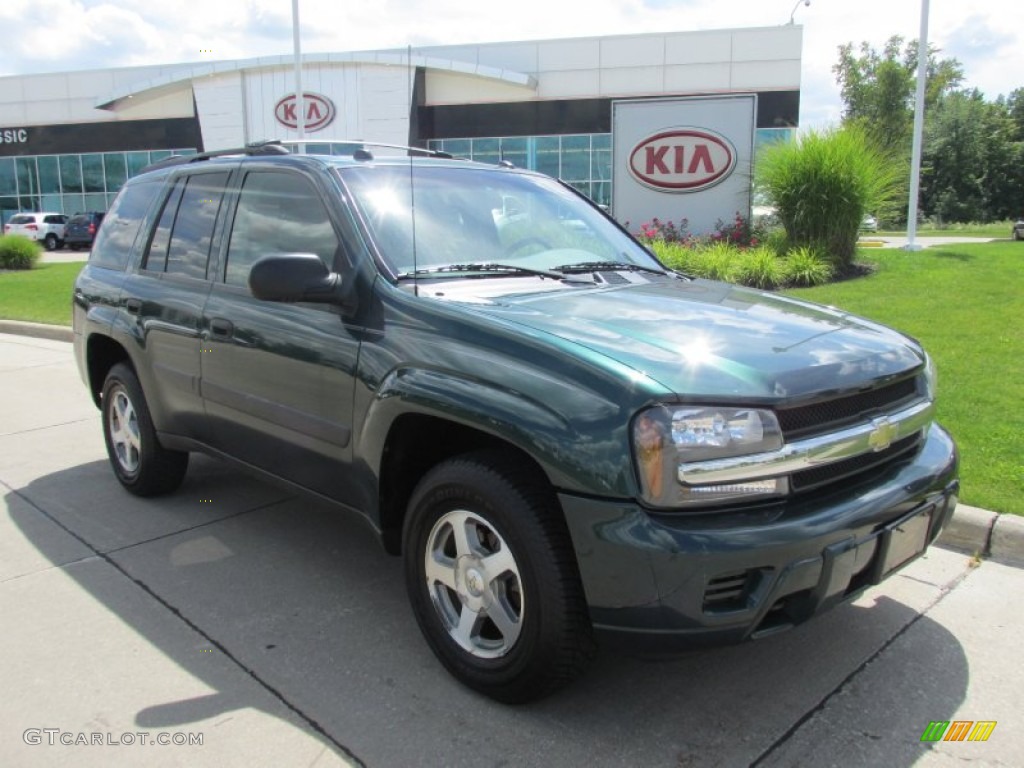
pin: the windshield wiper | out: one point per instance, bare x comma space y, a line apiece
489, 267
610, 266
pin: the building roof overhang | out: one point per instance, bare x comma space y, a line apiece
190, 72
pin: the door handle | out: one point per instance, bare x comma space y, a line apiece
221, 328
133, 305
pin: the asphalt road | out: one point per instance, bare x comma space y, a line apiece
278, 631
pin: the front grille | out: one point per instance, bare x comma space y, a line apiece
817, 418
812, 478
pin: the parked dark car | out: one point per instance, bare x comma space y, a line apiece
563, 438
81, 230
1018, 229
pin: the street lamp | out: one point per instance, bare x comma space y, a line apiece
793, 12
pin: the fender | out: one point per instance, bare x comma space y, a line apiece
540, 427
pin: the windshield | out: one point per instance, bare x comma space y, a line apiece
423, 217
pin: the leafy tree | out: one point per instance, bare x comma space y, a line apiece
878, 89
969, 169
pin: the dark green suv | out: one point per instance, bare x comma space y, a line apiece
564, 439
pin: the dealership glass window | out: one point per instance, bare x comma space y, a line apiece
548, 155
486, 150
92, 173
70, 173
55, 182
576, 158
515, 151
8, 179
114, 170
95, 202
51, 203
458, 147
601, 156
584, 160
49, 174
73, 204
136, 161
28, 179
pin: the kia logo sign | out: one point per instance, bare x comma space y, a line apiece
682, 160
319, 111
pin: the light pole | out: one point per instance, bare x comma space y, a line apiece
300, 102
915, 152
793, 12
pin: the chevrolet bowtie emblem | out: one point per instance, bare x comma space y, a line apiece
882, 435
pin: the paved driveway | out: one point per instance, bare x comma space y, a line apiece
278, 630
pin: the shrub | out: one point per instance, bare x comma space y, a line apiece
804, 266
716, 261
18, 252
760, 268
823, 183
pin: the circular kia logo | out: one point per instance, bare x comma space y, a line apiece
319, 111
682, 160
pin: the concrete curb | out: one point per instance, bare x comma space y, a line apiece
37, 330
972, 530
989, 534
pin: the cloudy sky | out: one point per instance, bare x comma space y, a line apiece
63, 35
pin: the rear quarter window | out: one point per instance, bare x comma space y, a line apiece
114, 241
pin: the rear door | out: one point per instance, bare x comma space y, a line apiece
165, 298
278, 378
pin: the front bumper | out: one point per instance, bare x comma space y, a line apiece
662, 582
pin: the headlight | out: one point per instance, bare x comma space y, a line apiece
931, 377
666, 437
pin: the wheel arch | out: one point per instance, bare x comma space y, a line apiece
418, 442
102, 354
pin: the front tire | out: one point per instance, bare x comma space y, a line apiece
492, 578
50, 243
140, 463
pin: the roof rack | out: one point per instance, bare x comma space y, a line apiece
360, 151
258, 148
279, 147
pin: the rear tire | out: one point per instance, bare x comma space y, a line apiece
492, 577
140, 463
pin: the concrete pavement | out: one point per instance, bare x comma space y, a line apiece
278, 630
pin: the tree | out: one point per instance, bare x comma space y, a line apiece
878, 88
970, 169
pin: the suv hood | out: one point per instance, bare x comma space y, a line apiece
714, 340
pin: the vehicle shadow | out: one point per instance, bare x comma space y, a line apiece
303, 599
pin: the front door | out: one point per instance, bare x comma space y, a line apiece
277, 379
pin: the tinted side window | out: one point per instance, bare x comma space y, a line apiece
278, 212
156, 256
189, 248
117, 235
181, 240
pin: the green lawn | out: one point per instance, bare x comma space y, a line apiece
966, 305
42, 295
1000, 229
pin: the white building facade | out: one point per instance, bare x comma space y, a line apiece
69, 140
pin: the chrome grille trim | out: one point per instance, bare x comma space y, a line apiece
875, 435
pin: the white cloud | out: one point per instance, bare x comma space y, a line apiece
56, 35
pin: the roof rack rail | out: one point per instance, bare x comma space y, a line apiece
359, 147
257, 148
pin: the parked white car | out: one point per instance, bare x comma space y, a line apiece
46, 227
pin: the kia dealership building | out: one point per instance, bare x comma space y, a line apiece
633, 121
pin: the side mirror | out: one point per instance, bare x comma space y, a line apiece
289, 277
